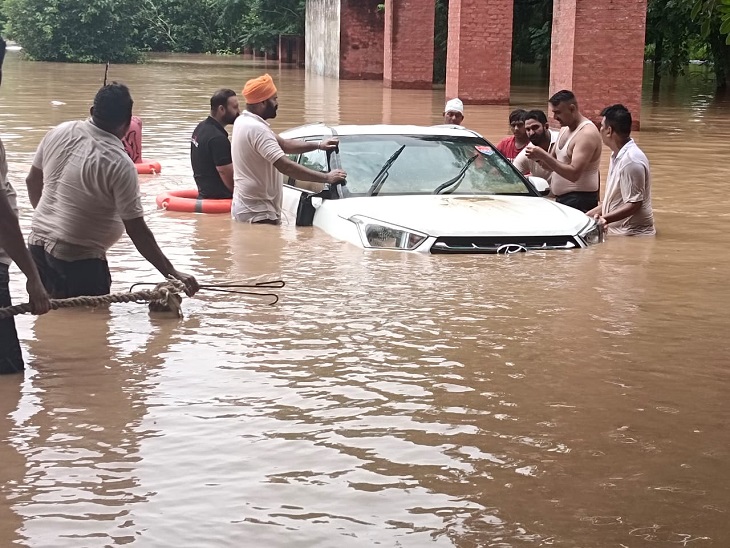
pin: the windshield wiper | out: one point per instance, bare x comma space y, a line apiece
459, 177
383, 173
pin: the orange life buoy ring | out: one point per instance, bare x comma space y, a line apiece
187, 201
148, 167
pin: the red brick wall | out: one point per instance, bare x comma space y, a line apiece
478, 60
598, 53
361, 40
409, 30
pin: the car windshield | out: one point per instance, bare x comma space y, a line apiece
426, 165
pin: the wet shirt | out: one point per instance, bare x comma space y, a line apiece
629, 181
9, 191
258, 185
210, 147
89, 186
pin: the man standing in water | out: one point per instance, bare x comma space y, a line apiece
576, 158
511, 146
260, 157
454, 112
84, 189
210, 149
12, 248
626, 207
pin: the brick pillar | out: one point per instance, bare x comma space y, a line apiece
479, 51
361, 40
598, 53
409, 28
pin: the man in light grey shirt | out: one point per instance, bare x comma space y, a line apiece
86, 195
626, 207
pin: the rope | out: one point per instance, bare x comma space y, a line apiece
164, 297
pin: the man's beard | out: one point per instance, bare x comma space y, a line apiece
537, 138
270, 112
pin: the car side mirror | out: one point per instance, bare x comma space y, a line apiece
540, 184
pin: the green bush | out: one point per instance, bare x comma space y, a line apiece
83, 31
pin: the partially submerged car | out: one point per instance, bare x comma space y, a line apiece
436, 189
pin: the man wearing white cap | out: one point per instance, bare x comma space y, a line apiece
454, 112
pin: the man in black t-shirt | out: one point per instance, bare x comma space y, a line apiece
210, 149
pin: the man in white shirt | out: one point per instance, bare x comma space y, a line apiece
540, 135
84, 189
626, 208
260, 157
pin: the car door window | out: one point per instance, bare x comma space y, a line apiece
316, 160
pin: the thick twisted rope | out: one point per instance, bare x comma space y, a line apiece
164, 296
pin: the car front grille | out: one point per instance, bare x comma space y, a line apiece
502, 245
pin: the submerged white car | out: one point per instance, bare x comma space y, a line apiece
437, 189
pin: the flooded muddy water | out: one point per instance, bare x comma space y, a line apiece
575, 399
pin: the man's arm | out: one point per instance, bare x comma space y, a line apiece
11, 240
596, 210
521, 162
146, 244
626, 210
34, 183
226, 173
297, 146
220, 152
301, 173
583, 152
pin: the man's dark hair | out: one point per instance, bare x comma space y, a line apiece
618, 118
517, 115
220, 98
113, 105
563, 96
535, 115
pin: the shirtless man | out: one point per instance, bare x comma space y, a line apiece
576, 158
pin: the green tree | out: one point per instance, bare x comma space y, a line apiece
531, 32
73, 30
669, 35
714, 18
266, 20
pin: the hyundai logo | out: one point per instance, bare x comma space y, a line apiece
509, 249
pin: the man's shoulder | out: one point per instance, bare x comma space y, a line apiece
505, 144
632, 154
65, 127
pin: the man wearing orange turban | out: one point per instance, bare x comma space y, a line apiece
260, 157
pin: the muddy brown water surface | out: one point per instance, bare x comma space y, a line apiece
575, 399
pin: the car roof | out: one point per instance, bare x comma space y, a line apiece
379, 129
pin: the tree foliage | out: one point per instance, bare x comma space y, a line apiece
532, 31
712, 13
74, 30
118, 30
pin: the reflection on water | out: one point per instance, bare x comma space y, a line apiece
557, 399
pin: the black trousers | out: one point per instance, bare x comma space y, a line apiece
585, 201
11, 357
65, 279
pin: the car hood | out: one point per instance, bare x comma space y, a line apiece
467, 215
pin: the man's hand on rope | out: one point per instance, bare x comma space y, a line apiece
191, 284
39, 301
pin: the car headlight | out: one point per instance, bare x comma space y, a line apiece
592, 233
378, 234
